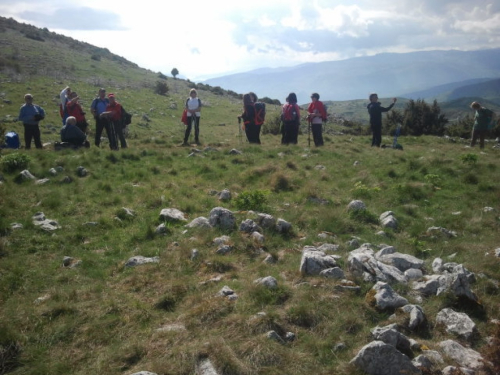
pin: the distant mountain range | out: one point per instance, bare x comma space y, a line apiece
429, 74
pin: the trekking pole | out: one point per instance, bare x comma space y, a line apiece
309, 131
239, 128
396, 135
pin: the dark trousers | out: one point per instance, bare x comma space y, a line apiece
32, 132
377, 134
317, 130
119, 133
82, 126
291, 132
478, 134
100, 124
190, 120
252, 132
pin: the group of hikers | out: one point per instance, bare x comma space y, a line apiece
106, 110
110, 115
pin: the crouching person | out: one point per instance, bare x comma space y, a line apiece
72, 135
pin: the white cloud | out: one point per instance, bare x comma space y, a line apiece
205, 38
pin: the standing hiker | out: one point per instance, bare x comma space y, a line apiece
98, 107
290, 116
375, 110
193, 109
113, 115
482, 122
74, 109
317, 115
252, 130
64, 98
30, 115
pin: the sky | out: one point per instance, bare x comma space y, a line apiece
208, 38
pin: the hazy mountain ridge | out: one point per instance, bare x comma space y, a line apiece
389, 74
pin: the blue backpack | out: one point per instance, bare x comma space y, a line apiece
12, 140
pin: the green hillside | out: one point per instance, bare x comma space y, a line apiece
72, 301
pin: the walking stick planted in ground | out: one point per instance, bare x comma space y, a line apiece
309, 132
239, 128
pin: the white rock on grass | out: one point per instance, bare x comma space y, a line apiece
415, 316
333, 273
356, 205
463, 356
199, 222
383, 297
172, 215
205, 367
457, 323
388, 220
313, 262
269, 282
140, 260
222, 218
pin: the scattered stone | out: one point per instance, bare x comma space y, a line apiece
380, 358
283, 226
144, 373
172, 215
26, 175
266, 221
222, 218
383, 297
329, 248
356, 205
140, 260
199, 222
161, 229
333, 273
205, 367
340, 347
452, 370
269, 259
227, 292
258, 237
235, 152
390, 335
41, 221
225, 195
388, 220
401, 261
224, 249
41, 299
413, 274
415, 316
313, 262
497, 252
69, 262
16, 226
223, 240
269, 282
66, 180
42, 181
128, 212
457, 323
435, 231
194, 254
320, 167
249, 226
81, 171
488, 209
464, 357
175, 327
290, 336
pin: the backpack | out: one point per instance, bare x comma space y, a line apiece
12, 140
126, 117
260, 113
290, 113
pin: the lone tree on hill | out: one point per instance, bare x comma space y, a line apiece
174, 72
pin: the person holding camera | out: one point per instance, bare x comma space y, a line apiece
31, 114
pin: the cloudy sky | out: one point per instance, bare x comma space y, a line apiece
208, 38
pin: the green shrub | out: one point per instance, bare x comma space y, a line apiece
12, 162
469, 158
252, 200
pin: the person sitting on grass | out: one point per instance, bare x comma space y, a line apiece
71, 134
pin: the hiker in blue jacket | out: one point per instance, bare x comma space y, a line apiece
31, 114
98, 106
375, 110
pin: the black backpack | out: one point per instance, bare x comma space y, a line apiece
126, 117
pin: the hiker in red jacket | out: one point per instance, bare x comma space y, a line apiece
317, 115
74, 109
113, 115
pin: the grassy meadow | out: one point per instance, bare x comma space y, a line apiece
105, 318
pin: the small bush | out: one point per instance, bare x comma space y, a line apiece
363, 216
470, 159
12, 162
471, 179
252, 200
161, 88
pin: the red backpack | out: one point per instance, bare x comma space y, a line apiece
260, 113
290, 112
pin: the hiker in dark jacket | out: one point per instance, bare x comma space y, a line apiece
97, 107
71, 133
482, 121
113, 115
252, 131
290, 116
375, 110
30, 115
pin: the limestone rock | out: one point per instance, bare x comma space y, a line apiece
222, 218
457, 323
172, 215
